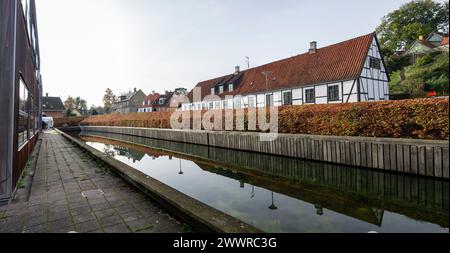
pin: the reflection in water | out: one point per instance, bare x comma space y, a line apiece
279, 194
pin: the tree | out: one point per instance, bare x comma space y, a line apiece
81, 105
72, 104
108, 100
68, 106
402, 27
93, 110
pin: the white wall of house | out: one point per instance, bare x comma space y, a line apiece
373, 81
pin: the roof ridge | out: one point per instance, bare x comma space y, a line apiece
291, 57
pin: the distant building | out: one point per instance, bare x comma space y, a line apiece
52, 107
148, 105
435, 42
169, 101
163, 103
20, 90
349, 71
129, 102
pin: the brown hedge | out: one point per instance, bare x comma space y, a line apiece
69, 121
419, 118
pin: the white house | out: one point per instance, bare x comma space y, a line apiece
349, 71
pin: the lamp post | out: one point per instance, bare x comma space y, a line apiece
273, 206
181, 171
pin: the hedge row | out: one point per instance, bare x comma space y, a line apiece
69, 121
419, 118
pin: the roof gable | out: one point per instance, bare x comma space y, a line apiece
341, 61
52, 104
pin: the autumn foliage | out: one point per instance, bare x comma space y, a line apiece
419, 118
68, 121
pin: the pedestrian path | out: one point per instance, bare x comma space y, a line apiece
70, 192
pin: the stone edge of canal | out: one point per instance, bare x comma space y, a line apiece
197, 214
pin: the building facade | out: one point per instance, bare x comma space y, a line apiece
52, 107
435, 42
21, 89
148, 105
350, 71
129, 102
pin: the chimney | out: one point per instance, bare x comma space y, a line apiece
421, 37
237, 70
313, 47
46, 94
153, 92
135, 90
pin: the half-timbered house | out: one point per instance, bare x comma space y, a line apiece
349, 71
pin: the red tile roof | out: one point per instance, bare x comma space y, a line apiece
341, 61
152, 98
444, 41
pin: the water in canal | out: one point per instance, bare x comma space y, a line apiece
278, 194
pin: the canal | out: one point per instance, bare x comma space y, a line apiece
280, 194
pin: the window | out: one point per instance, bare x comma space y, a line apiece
217, 104
310, 96
287, 98
221, 89
231, 87
333, 93
251, 102
238, 103
22, 131
269, 100
225, 104
374, 63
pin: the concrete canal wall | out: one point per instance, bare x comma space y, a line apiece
417, 157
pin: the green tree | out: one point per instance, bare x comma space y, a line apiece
402, 27
69, 106
108, 100
80, 105
93, 110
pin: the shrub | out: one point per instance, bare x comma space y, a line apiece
68, 121
419, 118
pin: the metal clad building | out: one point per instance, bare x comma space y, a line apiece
20, 89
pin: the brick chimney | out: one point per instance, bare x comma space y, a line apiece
312, 47
237, 70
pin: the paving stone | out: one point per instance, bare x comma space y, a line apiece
86, 227
84, 218
57, 205
119, 228
110, 220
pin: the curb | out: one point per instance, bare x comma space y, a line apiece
201, 216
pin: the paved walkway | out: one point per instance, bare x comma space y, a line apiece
71, 192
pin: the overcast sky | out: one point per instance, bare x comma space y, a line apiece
90, 45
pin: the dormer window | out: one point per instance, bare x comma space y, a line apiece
221, 89
161, 101
231, 87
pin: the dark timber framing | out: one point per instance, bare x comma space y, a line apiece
19, 60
